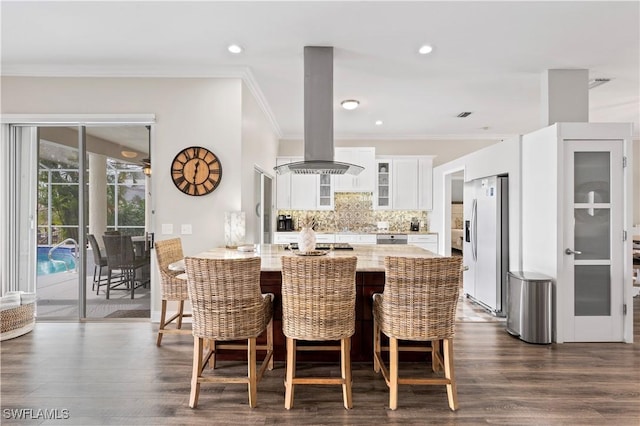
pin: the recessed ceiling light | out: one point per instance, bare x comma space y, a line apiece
129, 154
425, 49
378, 122
350, 104
234, 48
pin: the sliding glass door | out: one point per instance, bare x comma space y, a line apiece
63, 188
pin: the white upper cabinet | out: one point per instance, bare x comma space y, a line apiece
325, 192
382, 193
404, 183
364, 182
283, 185
303, 192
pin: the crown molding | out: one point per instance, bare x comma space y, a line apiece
243, 73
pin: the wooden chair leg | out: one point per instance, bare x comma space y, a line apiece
251, 356
393, 373
180, 313
436, 355
452, 393
270, 343
376, 346
163, 316
212, 358
195, 374
345, 359
290, 374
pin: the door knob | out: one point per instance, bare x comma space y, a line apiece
569, 251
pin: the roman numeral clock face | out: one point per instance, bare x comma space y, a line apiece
196, 171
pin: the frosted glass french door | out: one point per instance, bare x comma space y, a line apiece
594, 247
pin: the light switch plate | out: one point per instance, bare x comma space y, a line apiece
185, 229
167, 228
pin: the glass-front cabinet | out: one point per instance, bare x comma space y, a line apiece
325, 192
382, 199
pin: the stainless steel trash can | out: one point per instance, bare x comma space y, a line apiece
529, 305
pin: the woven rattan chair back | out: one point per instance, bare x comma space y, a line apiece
167, 252
120, 253
318, 304
226, 299
420, 297
418, 304
318, 297
98, 259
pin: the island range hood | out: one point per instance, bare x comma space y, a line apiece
318, 118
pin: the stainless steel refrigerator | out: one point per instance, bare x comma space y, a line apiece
486, 242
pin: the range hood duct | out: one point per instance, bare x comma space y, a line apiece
318, 118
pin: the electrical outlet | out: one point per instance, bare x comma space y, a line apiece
185, 229
167, 228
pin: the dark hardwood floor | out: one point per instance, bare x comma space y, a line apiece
112, 373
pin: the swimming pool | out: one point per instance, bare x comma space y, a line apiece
47, 267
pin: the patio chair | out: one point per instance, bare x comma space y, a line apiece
99, 262
121, 257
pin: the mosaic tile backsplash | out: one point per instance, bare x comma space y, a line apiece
353, 211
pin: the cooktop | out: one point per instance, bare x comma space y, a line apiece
323, 246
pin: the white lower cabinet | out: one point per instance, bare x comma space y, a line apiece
325, 238
292, 237
425, 241
356, 238
285, 237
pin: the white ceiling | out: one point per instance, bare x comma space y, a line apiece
488, 57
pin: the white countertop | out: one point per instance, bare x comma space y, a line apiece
370, 257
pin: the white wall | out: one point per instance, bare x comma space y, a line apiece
500, 158
636, 185
205, 112
540, 204
259, 148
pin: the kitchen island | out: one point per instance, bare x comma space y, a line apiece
369, 280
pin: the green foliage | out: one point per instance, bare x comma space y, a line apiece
64, 202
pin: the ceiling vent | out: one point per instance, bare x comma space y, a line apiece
464, 114
595, 82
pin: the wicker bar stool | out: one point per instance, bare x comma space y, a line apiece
318, 304
228, 305
418, 304
173, 289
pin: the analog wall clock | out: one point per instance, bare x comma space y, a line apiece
196, 171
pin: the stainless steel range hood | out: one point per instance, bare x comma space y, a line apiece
318, 118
